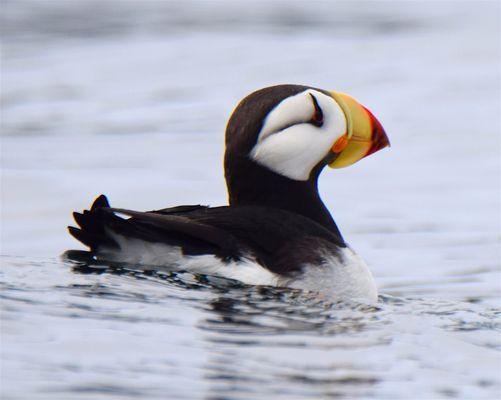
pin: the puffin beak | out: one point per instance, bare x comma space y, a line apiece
364, 134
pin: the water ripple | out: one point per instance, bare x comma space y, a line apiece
84, 326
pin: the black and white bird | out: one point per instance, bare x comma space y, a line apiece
276, 230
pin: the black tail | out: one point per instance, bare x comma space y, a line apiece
98, 229
92, 223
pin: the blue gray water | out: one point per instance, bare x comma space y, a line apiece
130, 99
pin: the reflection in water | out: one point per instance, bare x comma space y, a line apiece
245, 334
265, 341
195, 336
247, 330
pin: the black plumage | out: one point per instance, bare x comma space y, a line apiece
282, 223
251, 184
279, 240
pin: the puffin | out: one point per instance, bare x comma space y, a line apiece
275, 230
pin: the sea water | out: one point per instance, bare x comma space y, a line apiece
130, 99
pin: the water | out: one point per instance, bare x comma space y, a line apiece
124, 334
131, 101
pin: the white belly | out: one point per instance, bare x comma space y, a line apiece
338, 278
136, 251
345, 279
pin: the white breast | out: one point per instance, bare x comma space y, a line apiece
345, 278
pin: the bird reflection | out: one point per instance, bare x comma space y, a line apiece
265, 342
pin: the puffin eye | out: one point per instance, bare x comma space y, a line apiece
318, 116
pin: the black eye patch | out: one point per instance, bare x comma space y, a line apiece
318, 116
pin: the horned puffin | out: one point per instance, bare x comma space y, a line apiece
275, 230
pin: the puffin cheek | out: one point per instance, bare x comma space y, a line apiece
293, 152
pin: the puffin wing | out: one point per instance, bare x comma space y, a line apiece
100, 227
278, 240
168, 224
185, 209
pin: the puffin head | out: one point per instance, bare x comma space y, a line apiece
295, 131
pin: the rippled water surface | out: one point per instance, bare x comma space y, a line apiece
130, 99
123, 333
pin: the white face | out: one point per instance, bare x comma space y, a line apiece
289, 144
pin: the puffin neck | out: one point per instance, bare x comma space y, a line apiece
251, 184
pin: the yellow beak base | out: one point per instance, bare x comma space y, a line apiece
365, 135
